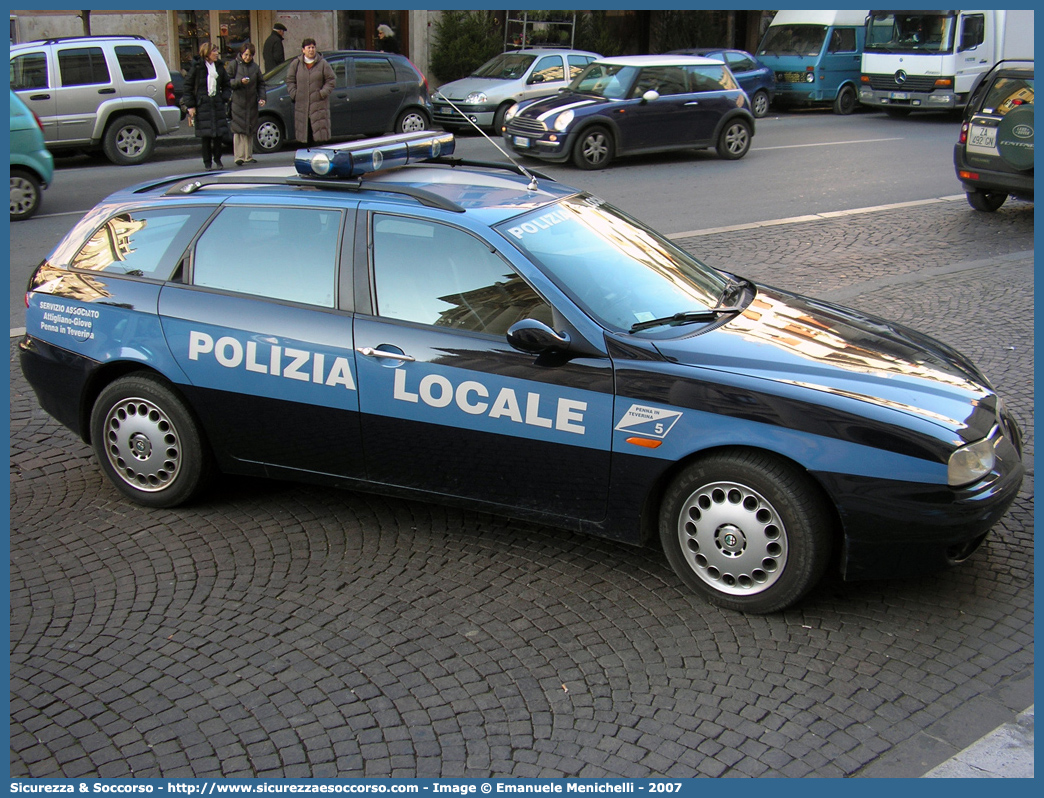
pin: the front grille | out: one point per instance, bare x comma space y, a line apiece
920, 83
525, 126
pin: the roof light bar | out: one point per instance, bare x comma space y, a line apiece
356, 158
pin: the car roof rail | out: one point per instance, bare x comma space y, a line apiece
512, 167
430, 198
99, 37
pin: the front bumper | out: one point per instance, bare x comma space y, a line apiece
909, 100
975, 178
551, 146
481, 115
899, 529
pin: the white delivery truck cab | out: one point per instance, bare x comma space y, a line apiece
931, 60
815, 56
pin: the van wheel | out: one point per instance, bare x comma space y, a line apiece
128, 141
734, 140
593, 148
270, 136
25, 194
148, 443
746, 530
986, 201
845, 102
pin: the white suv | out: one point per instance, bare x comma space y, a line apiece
112, 92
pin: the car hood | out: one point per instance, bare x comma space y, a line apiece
849, 355
459, 89
560, 102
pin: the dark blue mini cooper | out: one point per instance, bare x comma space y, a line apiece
466, 333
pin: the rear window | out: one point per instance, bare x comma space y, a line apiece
1006, 94
135, 63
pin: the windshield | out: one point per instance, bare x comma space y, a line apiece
620, 272
793, 40
910, 32
507, 66
605, 80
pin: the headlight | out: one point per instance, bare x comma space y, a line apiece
562, 121
510, 113
970, 463
810, 77
475, 98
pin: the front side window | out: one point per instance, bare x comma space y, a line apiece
620, 272
508, 66
548, 69
605, 80
83, 66
135, 63
146, 243
432, 273
665, 81
29, 71
842, 40
373, 71
289, 254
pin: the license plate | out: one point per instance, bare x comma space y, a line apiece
983, 136
521, 141
900, 95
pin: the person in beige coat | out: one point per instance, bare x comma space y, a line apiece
310, 82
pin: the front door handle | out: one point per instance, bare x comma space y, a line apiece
107, 91
371, 352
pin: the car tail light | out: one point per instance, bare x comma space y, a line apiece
423, 77
169, 92
964, 134
964, 175
39, 124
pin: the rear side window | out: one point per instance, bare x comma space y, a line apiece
135, 63
371, 71
83, 66
577, 64
738, 62
288, 254
29, 71
146, 243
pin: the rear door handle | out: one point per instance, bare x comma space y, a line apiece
693, 102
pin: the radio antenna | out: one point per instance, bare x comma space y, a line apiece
532, 179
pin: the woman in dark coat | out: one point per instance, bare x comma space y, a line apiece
310, 81
207, 91
248, 94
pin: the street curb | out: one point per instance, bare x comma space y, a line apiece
957, 731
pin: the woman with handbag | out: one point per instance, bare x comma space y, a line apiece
248, 94
207, 92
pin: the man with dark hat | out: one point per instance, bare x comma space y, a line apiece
273, 50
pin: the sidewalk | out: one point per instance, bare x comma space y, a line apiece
1005, 753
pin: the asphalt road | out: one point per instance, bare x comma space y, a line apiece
280, 630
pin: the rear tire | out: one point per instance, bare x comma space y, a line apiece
270, 136
746, 530
25, 194
148, 442
759, 103
128, 141
412, 121
593, 148
734, 140
986, 201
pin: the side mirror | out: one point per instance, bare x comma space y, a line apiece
535, 337
651, 95
536, 79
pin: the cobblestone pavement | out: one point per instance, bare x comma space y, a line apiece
279, 630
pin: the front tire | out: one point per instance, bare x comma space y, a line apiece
845, 102
128, 141
270, 136
25, 194
734, 140
593, 148
411, 121
986, 201
148, 443
746, 530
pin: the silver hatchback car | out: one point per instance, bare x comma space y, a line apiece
486, 95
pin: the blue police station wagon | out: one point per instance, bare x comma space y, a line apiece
468, 333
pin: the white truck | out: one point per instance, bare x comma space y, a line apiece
931, 60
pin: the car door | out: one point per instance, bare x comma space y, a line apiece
666, 121
33, 79
258, 326
375, 95
447, 405
547, 76
340, 107
85, 82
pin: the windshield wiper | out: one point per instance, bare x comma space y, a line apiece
731, 287
686, 317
